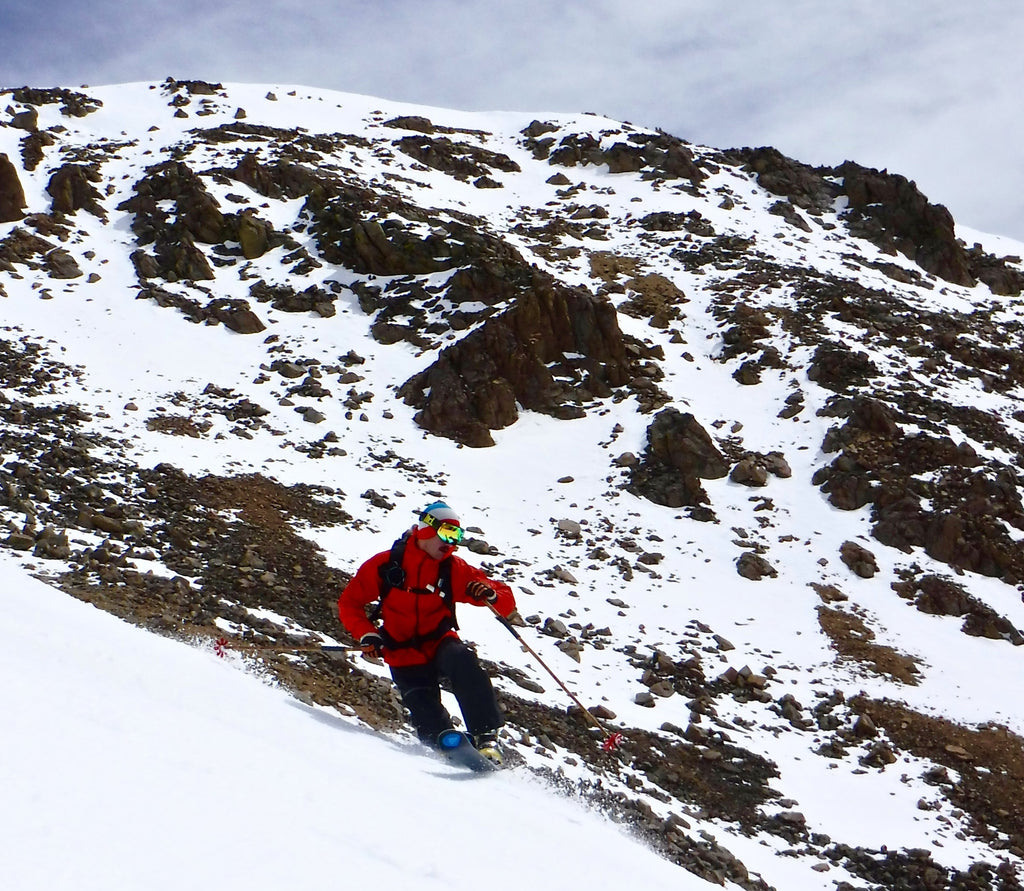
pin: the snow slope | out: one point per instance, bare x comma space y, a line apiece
147, 763
131, 761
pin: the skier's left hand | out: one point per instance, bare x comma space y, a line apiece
481, 593
371, 644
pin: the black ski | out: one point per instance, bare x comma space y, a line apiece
457, 748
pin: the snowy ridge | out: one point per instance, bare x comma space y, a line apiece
733, 678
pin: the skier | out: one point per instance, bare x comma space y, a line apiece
415, 585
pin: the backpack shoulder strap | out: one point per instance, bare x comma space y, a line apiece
444, 585
391, 574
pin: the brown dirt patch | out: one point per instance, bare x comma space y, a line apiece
988, 761
853, 640
177, 425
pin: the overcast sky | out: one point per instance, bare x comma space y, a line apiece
927, 88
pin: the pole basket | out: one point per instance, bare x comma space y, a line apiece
612, 741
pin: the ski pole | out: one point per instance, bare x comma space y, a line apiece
612, 740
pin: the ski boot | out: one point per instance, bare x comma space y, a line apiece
487, 745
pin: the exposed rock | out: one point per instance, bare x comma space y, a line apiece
411, 122
754, 567
239, 318
653, 297
859, 559
73, 104
192, 87
196, 212
555, 628
26, 120
570, 529
889, 210
679, 454
994, 272
12, 195
658, 156
942, 597
790, 214
836, 367
72, 189
32, 148
254, 235
806, 186
62, 265
475, 385
886, 208
749, 472
458, 159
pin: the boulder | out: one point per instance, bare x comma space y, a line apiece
679, 454
12, 195
26, 120
749, 472
859, 559
754, 567
253, 235
72, 189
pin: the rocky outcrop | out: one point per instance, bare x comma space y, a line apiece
23, 247
72, 189
365, 232
807, 187
942, 597
280, 179
233, 314
679, 454
12, 195
71, 103
890, 211
885, 208
995, 272
196, 217
881, 465
460, 160
475, 385
287, 299
654, 156
836, 367
32, 147
195, 210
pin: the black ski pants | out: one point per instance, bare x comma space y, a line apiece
420, 687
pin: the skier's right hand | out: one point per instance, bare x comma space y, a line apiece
481, 593
371, 645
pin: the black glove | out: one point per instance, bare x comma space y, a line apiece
481, 593
371, 644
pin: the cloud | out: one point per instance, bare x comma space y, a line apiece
928, 90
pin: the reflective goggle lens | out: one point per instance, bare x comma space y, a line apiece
449, 534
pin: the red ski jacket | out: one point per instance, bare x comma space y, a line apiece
415, 611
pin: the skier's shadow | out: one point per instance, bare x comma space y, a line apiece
337, 722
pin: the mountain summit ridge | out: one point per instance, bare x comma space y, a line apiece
744, 434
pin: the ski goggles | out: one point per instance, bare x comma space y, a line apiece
449, 533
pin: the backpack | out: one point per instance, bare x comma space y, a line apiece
392, 575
